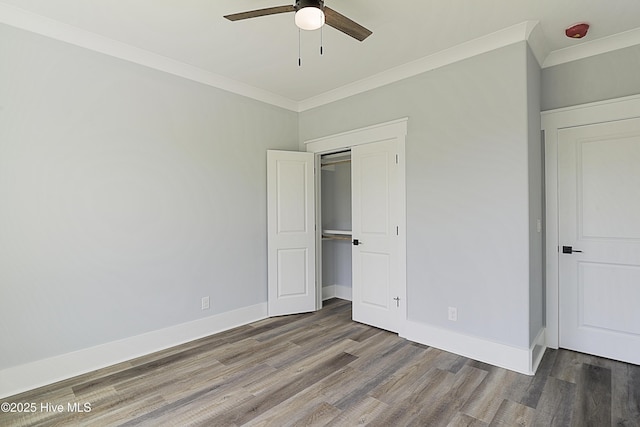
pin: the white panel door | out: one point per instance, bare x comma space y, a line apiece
599, 215
376, 296
291, 232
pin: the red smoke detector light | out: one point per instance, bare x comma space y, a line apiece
577, 31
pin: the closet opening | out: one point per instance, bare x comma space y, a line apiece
335, 217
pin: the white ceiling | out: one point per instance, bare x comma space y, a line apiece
263, 52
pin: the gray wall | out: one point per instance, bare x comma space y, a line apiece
606, 76
126, 194
536, 197
336, 215
468, 184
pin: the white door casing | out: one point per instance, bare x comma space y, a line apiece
291, 244
376, 295
552, 122
395, 130
598, 214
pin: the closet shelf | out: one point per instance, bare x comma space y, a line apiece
346, 238
340, 232
336, 234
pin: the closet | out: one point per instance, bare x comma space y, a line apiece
335, 188
336, 225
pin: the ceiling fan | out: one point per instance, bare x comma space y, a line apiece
310, 15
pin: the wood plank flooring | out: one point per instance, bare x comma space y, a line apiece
322, 369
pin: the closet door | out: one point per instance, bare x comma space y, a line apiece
375, 252
291, 232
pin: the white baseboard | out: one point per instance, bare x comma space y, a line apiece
47, 371
336, 291
522, 360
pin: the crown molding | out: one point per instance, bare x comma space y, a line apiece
47, 27
529, 31
498, 39
537, 41
593, 47
51, 28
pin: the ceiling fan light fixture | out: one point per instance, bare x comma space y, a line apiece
310, 15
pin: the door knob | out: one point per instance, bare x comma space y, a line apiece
569, 250
357, 242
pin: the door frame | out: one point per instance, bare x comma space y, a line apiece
552, 121
395, 129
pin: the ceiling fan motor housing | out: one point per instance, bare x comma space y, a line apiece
309, 3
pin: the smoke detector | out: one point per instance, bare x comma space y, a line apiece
577, 31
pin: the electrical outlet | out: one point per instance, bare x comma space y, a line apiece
453, 314
205, 303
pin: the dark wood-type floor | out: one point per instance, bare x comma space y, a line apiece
323, 369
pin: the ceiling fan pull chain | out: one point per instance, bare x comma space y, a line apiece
299, 50
321, 52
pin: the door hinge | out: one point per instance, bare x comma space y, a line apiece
397, 160
397, 230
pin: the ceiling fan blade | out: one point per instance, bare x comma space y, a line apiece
260, 12
346, 25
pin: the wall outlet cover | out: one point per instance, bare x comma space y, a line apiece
453, 314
